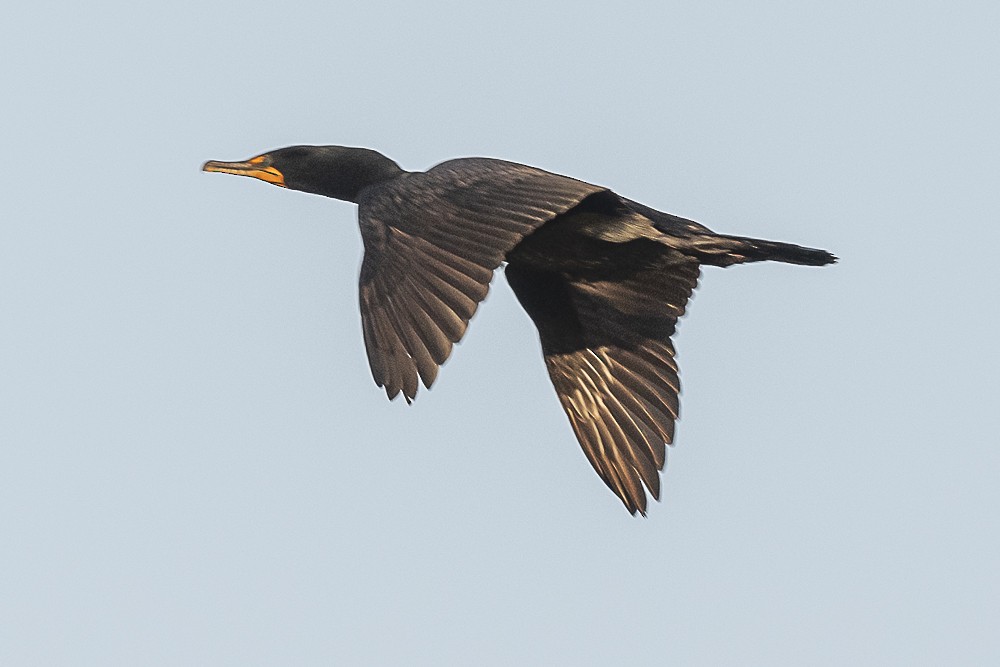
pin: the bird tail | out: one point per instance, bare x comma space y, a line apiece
757, 250
720, 250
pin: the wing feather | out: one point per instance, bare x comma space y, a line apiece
432, 243
607, 347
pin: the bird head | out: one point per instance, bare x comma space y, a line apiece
332, 171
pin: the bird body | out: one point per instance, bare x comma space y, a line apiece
603, 278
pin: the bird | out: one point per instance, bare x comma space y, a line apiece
603, 278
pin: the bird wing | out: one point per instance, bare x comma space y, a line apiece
606, 342
432, 241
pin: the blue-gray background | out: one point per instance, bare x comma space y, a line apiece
196, 468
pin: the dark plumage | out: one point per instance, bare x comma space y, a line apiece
603, 277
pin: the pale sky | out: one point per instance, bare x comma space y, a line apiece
197, 469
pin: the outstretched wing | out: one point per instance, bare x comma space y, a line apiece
432, 241
606, 342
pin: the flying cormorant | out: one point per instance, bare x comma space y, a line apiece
604, 278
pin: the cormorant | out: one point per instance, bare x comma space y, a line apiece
604, 278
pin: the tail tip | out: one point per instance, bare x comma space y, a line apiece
828, 258
808, 256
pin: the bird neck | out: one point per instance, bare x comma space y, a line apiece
362, 170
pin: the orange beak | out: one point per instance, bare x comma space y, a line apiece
257, 167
